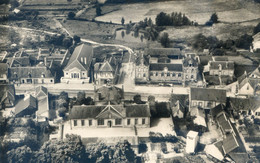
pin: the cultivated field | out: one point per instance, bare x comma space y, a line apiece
198, 10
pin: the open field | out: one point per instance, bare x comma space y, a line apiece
199, 10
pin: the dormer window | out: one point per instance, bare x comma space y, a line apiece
220, 67
165, 69
43, 75
29, 75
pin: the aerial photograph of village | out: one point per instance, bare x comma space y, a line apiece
129, 81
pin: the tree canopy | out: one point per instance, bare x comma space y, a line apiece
173, 19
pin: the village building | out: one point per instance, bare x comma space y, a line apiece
142, 69
192, 141
3, 73
248, 85
26, 106
104, 73
86, 116
31, 75
179, 105
221, 67
79, 65
112, 94
7, 96
43, 112
206, 98
190, 68
244, 106
256, 43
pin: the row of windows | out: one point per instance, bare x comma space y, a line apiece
140, 69
165, 74
209, 104
102, 74
101, 122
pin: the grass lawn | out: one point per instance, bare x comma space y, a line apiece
199, 11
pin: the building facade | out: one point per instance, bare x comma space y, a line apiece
108, 116
78, 68
221, 68
104, 73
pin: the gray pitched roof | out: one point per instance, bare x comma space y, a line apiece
3, 68
216, 110
81, 58
137, 110
25, 103
103, 67
181, 99
206, 94
190, 61
239, 104
161, 66
19, 62
23, 72
226, 65
163, 51
230, 143
7, 91
41, 91
92, 111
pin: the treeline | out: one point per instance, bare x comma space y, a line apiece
173, 19
218, 47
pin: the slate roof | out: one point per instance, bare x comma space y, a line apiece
256, 72
190, 61
217, 109
19, 62
137, 110
206, 94
7, 91
226, 65
92, 111
25, 103
3, 68
224, 122
23, 72
240, 104
41, 91
244, 80
163, 51
161, 66
180, 99
82, 51
142, 59
230, 143
103, 67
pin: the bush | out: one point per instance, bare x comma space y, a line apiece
71, 15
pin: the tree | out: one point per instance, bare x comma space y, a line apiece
67, 42
214, 18
137, 99
81, 96
165, 41
244, 41
71, 15
20, 154
98, 10
76, 39
123, 21
70, 149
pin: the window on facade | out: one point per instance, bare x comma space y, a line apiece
139, 75
143, 121
83, 73
82, 122
162, 74
191, 76
173, 74
179, 75
144, 75
200, 103
136, 121
67, 73
101, 122
90, 122
209, 104
151, 74
156, 74
139, 69
75, 123
128, 121
51, 81
168, 74
194, 103
118, 121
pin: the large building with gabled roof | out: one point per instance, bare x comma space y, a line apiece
78, 68
110, 116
